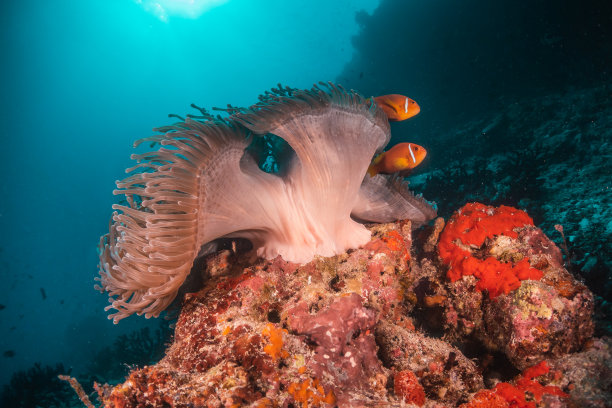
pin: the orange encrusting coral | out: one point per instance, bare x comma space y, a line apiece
311, 393
472, 225
275, 348
396, 243
524, 394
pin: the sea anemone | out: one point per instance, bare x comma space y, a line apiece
202, 184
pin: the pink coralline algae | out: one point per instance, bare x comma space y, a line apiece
381, 325
341, 337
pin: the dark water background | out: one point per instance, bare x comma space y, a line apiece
81, 80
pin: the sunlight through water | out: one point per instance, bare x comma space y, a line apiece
163, 9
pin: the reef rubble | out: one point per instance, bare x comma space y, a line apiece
398, 322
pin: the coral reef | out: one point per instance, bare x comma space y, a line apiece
382, 325
137, 348
50, 386
39, 386
280, 331
550, 155
535, 309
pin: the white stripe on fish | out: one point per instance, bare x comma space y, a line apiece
410, 148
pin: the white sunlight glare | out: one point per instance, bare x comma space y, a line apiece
163, 9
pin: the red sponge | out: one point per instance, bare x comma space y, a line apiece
471, 225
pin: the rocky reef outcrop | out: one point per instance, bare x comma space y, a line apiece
477, 311
548, 154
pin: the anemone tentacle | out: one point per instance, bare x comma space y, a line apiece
155, 237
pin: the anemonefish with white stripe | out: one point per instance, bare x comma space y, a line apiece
402, 156
397, 107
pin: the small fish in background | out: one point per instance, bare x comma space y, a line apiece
401, 157
9, 353
397, 107
2, 307
43, 293
360, 75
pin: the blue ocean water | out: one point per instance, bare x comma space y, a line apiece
82, 80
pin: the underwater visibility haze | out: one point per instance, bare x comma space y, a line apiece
429, 223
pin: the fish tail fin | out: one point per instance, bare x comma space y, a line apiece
372, 170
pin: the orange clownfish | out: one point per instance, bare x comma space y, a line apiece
402, 156
397, 107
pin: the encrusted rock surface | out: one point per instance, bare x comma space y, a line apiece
588, 374
380, 325
540, 318
447, 375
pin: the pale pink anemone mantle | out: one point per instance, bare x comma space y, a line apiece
200, 186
